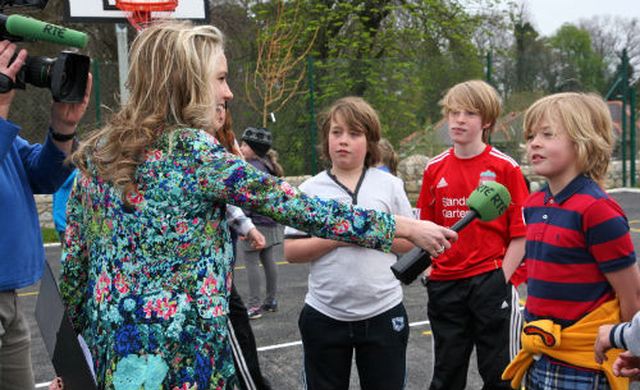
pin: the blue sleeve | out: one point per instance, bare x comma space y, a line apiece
626, 335
8, 134
60, 199
43, 165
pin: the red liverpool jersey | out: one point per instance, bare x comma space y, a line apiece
447, 183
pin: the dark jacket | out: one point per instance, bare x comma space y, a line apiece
265, 166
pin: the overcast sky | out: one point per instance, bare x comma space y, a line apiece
549, 15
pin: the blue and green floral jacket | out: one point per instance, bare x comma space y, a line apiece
147, 286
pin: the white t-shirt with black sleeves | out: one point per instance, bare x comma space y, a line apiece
353, 283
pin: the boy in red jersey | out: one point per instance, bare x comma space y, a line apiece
582, 270
471, 302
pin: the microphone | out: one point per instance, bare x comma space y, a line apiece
486, 203
25, 27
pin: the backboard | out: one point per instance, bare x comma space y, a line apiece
105, 11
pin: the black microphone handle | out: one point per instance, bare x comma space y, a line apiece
410, 265
414, 262
464, 221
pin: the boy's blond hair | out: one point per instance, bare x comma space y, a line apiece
587, 120
476, 96
358, 115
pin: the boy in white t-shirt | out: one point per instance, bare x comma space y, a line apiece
354, 303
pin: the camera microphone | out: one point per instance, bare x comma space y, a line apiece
26, 27
486, 203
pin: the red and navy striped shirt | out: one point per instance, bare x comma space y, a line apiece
573, 239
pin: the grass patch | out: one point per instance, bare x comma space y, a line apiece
49, 235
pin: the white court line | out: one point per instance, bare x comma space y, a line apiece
624, 189
280, 346
296, 343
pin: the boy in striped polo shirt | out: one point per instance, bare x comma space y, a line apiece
582, 270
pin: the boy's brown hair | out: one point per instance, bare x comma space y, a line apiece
388, 156
587, 120
476, 96
357, 115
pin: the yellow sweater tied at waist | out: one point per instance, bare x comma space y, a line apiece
573, 345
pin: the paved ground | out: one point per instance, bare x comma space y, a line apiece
277, 333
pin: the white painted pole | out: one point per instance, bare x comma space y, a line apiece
123, 60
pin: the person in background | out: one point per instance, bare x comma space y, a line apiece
59, 204
255, 147
148, 258
354, 303
243, 343
471, 301
581, 264
388, 161
26, 169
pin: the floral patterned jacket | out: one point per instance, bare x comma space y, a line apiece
147, 286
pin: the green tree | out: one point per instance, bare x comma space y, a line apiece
527, 51
609, 37
439, 37
399, 55
576, 65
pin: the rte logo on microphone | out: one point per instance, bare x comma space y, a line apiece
53, 30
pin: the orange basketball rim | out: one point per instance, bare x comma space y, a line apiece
141, 13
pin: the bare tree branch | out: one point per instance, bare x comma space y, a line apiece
276, 78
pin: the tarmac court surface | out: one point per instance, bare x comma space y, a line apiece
277, 335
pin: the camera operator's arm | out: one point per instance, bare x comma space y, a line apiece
65, 118
7, 49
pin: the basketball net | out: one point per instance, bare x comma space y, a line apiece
143, 13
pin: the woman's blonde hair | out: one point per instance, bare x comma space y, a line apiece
171, 73
587, 120
358, 115
475, 96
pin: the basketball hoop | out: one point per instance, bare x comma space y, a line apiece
141, 13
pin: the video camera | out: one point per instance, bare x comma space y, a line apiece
66, 75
